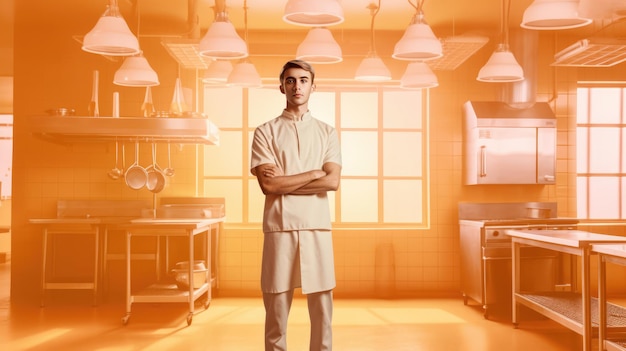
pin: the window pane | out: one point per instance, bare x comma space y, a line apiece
225, 159
603, 197
604, 150
359, 110
603, 105
231, 191
623, 121
623, 198
402, 201
582, 166
582, 200
353, 206
359, 153
582, 105
402, 109
256, 201
264, 105
322, 106
6, 155
623, 152
402, 154
223, 106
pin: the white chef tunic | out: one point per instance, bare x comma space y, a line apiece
296, 147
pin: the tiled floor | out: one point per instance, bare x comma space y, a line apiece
236, 324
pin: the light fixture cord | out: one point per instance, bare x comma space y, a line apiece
373, 11
114, 9
504, 23
245, 20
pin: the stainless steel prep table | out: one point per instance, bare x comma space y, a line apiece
166, 227
571, 309
613, 253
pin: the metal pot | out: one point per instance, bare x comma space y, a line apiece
136, 176
155, 180
536, 212
181, 274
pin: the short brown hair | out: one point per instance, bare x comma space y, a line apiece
297, 64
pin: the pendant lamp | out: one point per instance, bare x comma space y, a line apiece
319, 46
313, 13
372, 68
418, 76
553, 14
136, 72
502, 67
221, 41
218, 72
418, 42
244, 74
111, 35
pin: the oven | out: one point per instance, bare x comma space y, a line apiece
486, 255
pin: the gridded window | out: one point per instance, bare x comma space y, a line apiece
383, 138
600, 152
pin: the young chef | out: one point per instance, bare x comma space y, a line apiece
297, 160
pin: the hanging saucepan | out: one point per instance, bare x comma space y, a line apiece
156, 180
136, 176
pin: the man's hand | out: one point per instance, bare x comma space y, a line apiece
271, 171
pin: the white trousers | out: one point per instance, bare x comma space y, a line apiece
277, 306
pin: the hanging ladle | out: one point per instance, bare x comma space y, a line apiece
169, 171
116, 172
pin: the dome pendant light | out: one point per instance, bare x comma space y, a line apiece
372, 68
136, 72
319, 46
418, 76
552, 15
418, 42
313, 13
221, 41
502, 66
111, 35
218, 72
244, 74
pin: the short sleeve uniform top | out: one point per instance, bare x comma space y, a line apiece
295, 147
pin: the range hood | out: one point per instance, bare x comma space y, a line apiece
500, 114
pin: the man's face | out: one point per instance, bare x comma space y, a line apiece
297, 86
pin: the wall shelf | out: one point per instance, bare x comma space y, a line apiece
73, 129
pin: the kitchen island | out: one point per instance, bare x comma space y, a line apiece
572, 309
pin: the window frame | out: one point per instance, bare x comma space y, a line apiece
248, 180
587, 179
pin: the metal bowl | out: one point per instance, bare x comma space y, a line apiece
181, 274
61, 111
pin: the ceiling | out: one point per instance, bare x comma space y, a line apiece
183, 22
448, 17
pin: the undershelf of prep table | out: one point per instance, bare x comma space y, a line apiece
615, 345
166, 292
566, 309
